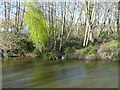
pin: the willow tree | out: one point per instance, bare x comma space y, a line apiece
37, 25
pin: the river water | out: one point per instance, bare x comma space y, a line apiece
36, 73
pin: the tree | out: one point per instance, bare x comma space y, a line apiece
88, 33
37, 25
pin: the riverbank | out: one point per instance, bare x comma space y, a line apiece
107, 52
102, 49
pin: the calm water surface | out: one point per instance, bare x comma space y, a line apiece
36, 73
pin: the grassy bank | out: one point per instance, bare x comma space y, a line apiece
106, 51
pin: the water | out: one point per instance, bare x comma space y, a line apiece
36, 73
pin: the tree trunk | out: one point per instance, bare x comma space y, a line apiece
88, 24
63, 27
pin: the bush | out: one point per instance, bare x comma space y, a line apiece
108, 50
89, 50
105, 37
49, 55
69, 51
26, 45
22, 41
74, 42
115, 55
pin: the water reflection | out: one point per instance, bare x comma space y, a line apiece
35, 73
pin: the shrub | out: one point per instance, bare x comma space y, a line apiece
22, 41
108, 50
105, 37
49, 55
89, 50
69, 51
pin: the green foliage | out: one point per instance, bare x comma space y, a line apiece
69, 51
37, 25
89, 50
116, 54
22, 41
7, 54
105, 37
49, 55
26, 45
37, 52
108, 50
73, 42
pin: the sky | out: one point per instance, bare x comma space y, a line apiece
60, 0
59, 10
